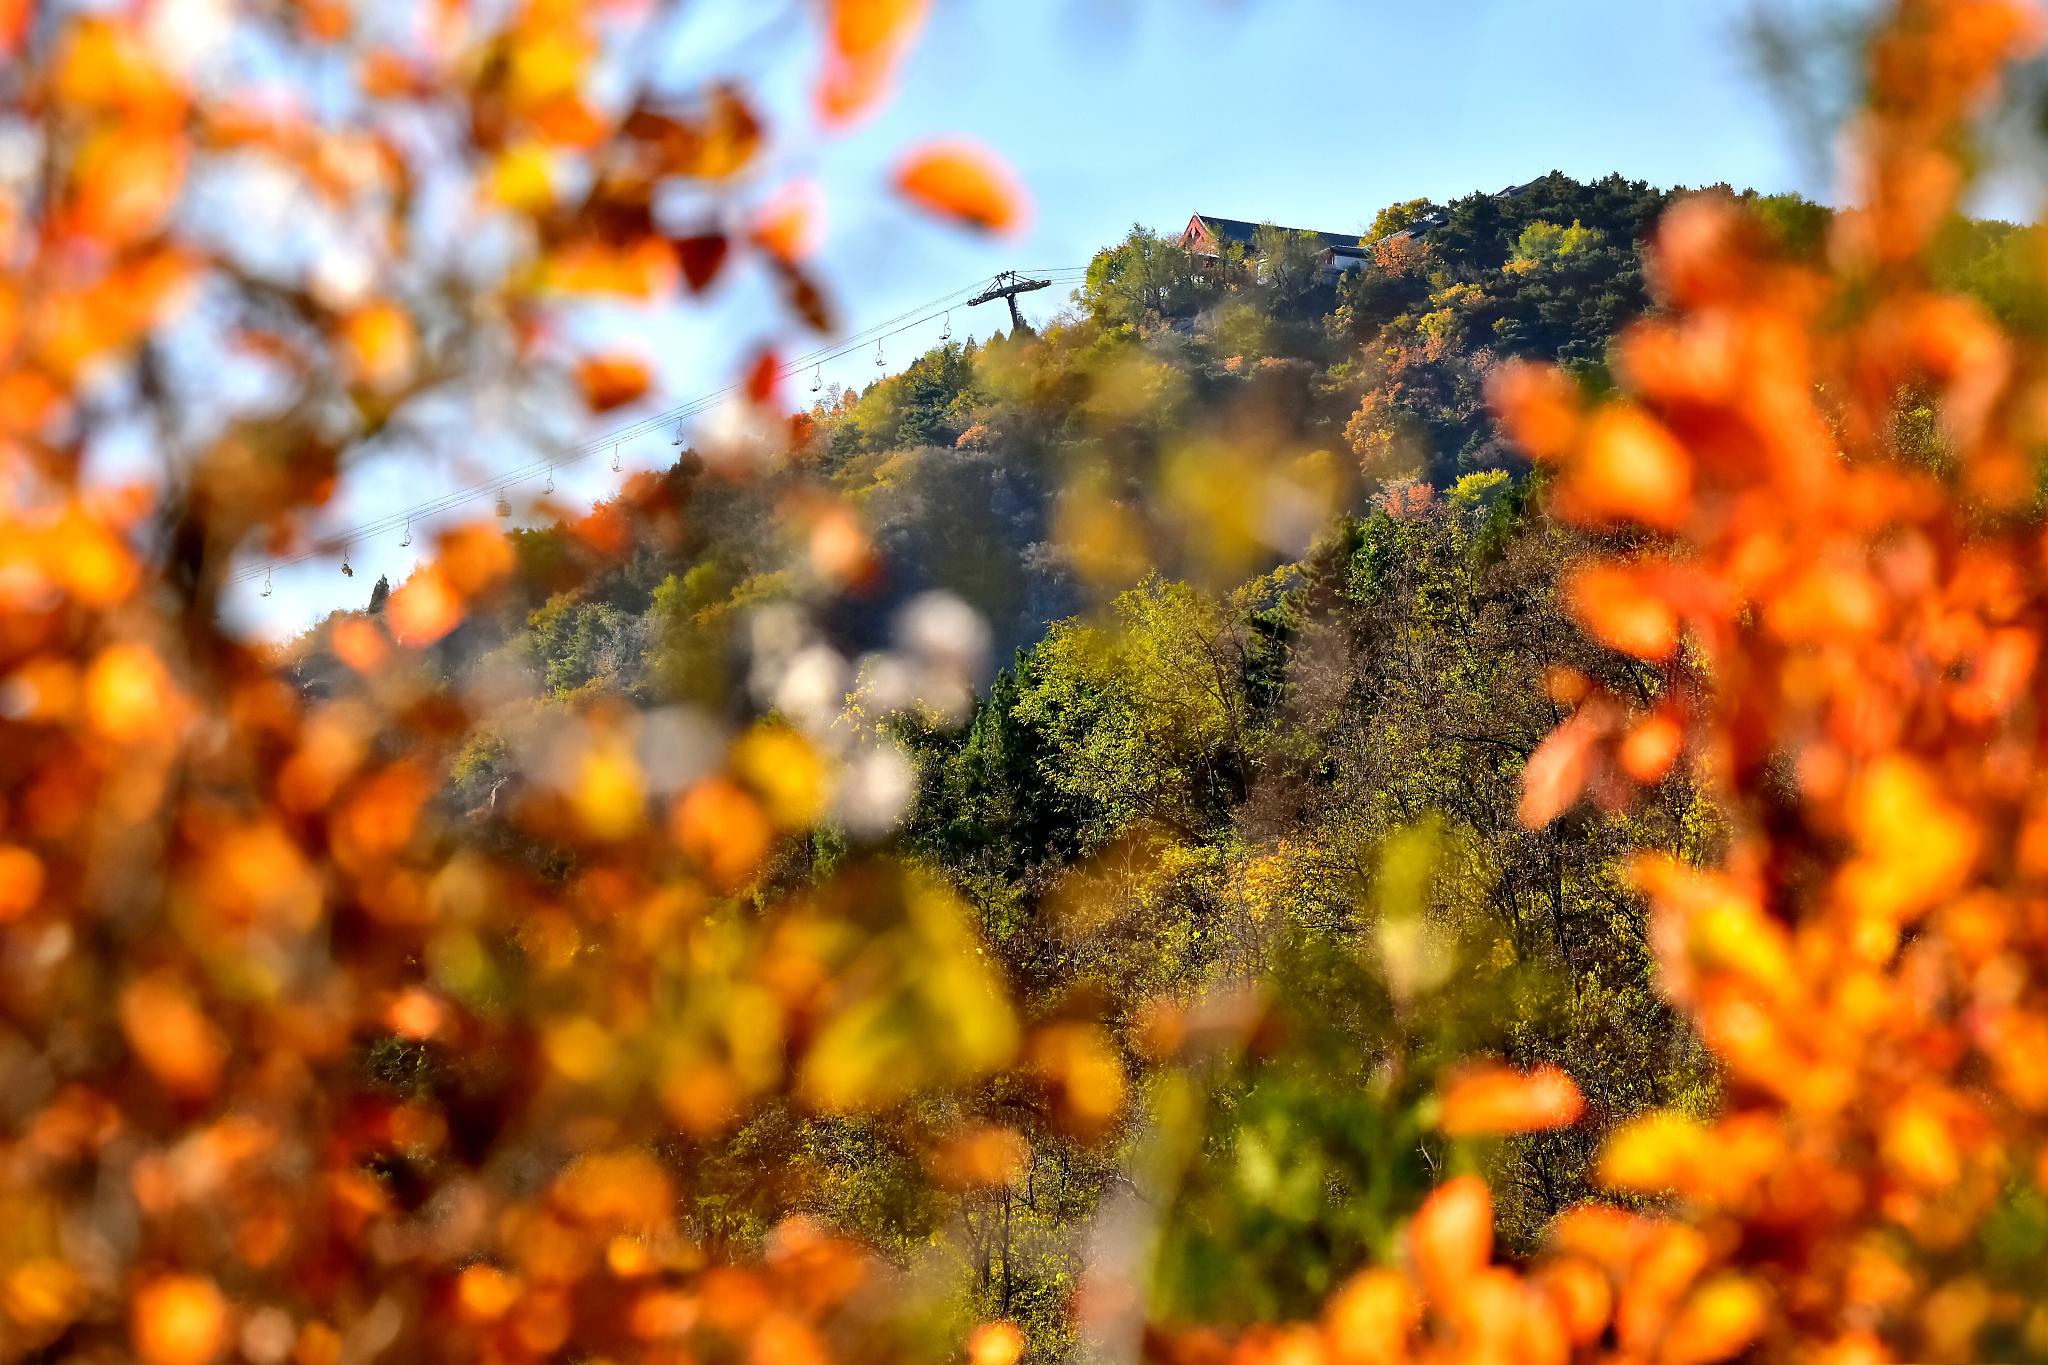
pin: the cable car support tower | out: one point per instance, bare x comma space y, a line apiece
1007, 286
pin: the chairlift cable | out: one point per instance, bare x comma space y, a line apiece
498, 483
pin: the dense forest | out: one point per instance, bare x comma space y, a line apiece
1227, 777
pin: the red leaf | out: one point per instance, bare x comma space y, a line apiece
702, 257
761, 379
803, 295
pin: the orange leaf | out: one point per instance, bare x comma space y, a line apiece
128, 694
840, 551
1485, 1098
1620, 607
569, 120
416, 1014
723, 830
849, 89
380, 345
1918, 846
1370, 1319
387, 75
326, 21
1654, 1153
381, 816
174, 1039
107, 67
1582, 1295
93, 562
1451, 1238
475, 555
425, 607
1629, 468
1722, 1317
611, 381
866, 39
986, 1156
1651, 747
1081, 1065
14, 21
485, 1293
867, 28
21, 882
762, 377
360, 643
995, 1343
178, 1320
642, 269
1558, 771
792, 223
29, 400
1539, 407
963, 182
127, 183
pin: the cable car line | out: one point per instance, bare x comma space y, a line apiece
611, 441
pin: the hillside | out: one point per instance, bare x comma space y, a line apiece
1234, 704
1266, 730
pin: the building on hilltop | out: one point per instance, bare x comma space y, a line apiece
1207, 237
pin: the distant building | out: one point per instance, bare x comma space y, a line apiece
1208, 237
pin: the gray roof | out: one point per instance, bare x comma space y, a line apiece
1241, 232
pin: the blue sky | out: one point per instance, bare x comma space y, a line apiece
1308, 113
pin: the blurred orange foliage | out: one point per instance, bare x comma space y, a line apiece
1848, 636
220, 895
234, 912
964, 182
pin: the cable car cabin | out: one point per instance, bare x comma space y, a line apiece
1208, 238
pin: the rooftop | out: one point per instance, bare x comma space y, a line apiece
1239, 231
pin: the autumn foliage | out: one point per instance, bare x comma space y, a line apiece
238, 937
242, 938
1847, 630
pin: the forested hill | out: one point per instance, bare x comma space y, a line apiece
956, 463
1263, 728
1380, 373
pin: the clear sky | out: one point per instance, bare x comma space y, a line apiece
1307, 113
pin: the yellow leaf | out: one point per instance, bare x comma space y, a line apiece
1720, 1319
1654, 1153
523, 177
